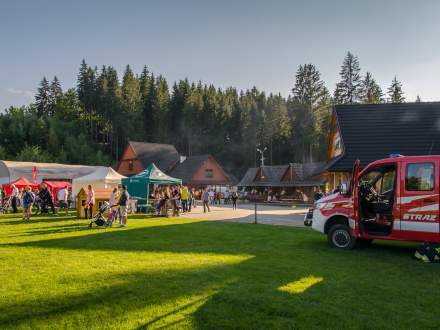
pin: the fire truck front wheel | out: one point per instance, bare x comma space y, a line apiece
340, 236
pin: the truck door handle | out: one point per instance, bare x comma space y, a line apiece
429, 200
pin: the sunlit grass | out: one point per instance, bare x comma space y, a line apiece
301, 285
181, 273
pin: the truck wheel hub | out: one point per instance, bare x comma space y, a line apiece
341, 238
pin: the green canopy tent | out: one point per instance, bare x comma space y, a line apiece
138, 186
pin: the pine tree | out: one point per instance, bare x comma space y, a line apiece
370, 91
55, 94
87, 91
179, 95
308, 105
130, 91
161, 106
144, 82
395, 92
148, 109
55, 88
348, 89
42, 98
115, 115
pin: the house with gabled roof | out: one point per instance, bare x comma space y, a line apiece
138, 155
369, 132
201, 171
195, 171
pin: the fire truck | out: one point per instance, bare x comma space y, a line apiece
396, 198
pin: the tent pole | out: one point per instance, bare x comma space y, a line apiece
148, 192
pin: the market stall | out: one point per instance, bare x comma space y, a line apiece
139, 185
102, 178
54, 186
20, 183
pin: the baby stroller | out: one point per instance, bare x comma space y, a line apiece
5, 205
99, 219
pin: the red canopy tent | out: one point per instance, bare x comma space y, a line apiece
19, 183
54, 186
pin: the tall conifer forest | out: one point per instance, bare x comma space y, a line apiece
91, 124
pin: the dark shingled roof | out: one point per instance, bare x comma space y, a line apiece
374, 131
164, 156
307, 174
189, 166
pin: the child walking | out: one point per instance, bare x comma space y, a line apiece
28, 200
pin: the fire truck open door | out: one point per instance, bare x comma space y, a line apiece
354, 187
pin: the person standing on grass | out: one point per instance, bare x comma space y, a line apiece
62, 195
28, 200
184, 195
123, 203
234, 198
14, 198
46, 199
205, 200
90, 201
190, 199
113, 201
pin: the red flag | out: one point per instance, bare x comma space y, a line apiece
35, 175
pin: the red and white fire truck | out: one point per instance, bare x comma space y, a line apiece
391, 199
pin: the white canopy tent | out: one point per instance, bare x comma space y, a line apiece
101, 178
12, 170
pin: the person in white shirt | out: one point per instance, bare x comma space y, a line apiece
62, 199
211, 196
14, 198
114, 207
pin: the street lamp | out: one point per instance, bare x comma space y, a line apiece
262, 155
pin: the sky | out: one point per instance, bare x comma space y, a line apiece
226, 43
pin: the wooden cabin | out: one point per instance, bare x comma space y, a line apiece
137, 156
201, 171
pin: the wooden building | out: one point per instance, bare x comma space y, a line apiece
201, 171
293, 181
375, 131
138, 155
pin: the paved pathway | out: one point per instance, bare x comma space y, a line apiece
266, 214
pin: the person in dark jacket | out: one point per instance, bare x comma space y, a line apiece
46, 199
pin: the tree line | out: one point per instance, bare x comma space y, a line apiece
91, 124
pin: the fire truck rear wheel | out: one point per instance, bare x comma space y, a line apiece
340, 236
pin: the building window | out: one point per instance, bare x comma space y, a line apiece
338, 145
419, 177
130, 165
209, 173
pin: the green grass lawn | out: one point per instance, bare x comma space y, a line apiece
178, 273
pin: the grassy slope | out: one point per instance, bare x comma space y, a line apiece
193, 274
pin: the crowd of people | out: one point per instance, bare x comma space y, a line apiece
183, 199
178, 198
37, 200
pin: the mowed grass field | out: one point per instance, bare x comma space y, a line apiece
177, 273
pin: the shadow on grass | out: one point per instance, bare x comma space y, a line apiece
17, 218
281, 255
75, 227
